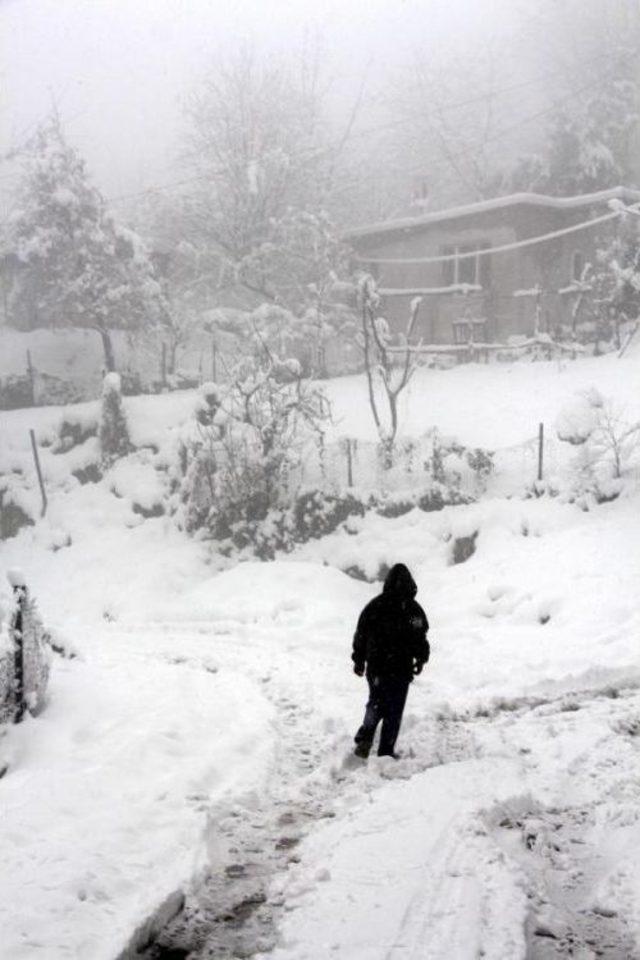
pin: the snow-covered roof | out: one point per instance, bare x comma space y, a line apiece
496, 203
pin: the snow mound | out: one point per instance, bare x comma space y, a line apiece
113, 820
309, 593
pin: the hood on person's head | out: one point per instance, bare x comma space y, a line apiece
400, 583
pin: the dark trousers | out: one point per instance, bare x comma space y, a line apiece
387, 697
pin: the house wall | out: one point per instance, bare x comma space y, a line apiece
548, 264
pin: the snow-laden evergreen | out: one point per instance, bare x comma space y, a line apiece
113, 432
77, 266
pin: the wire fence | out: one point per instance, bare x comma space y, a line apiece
418, 462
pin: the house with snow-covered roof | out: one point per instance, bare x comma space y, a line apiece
491, 270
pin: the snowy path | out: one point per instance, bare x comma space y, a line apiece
509, 854
252, 837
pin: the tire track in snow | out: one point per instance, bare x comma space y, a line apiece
563, 869
555, 855
561, 849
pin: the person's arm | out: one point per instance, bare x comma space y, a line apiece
359, 652
421, 647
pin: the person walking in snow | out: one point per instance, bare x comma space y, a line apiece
391, 646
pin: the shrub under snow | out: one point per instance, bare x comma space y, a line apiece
113, 433
35, 650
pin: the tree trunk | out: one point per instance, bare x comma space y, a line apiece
107, 346
173, 354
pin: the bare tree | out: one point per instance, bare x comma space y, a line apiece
605, 438
381, 368
446, 120
614, 439
262, 149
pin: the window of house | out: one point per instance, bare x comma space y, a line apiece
470, 330
448, 267
577, 265
466, 266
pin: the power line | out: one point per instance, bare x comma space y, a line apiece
502, 248
499, 91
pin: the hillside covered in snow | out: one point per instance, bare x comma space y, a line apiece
190, 785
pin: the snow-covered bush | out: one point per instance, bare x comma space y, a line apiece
313, 514
445, 457
390, 506
482, 465
577, 420
7, 663
136, 480
615, 287
16, 391
113, 433
19, 620
237, 463
16, 504
76, 426
607, 443
318, 513
450, 463
438, 496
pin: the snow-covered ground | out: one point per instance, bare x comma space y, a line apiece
203, 732
495, 406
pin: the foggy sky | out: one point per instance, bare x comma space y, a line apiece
118, 69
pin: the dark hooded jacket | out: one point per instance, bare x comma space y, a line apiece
391, 636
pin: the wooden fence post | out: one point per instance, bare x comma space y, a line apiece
36, 458
32, 378
540, 449
349, 464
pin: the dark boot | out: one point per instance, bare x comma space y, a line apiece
362, 749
